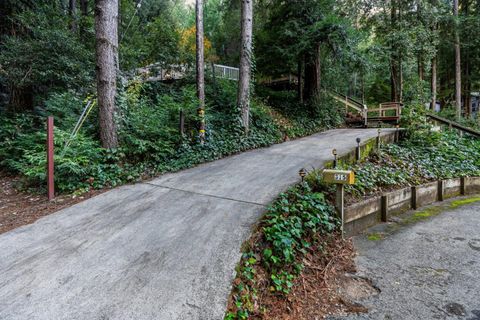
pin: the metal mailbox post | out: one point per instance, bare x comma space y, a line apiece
340, 178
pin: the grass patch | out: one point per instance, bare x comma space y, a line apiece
375, 236
423, 215
462, 202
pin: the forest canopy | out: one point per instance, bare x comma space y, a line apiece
157, 62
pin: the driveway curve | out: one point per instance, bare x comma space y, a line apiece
164, 249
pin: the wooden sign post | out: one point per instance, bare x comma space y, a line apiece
340, 178
50, 161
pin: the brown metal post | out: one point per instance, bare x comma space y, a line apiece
50, 160
182, 123
358, 153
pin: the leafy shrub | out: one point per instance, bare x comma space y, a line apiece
298, 219
416, 161
295, 216
66, 108
451, 114
44, 56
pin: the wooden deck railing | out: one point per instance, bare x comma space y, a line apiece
455, 125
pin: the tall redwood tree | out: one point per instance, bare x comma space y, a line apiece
246, 56
106, 34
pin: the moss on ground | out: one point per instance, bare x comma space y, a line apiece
423, 215
462, 202
375, 236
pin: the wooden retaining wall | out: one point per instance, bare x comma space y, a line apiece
367, 213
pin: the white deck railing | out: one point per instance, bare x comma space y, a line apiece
155, 72
226, 72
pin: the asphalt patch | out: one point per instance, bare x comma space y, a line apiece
455, 309
474, 244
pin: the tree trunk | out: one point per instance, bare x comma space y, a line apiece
312, 74
394, 72
400, 80
421, 69
246, 55
458, 68
83, 22
467, 71
20, 99
363, 88
200, 64
400, 59
84, 7
467, 98
72, 9
434, 83
393, 80
106, 34
300, 82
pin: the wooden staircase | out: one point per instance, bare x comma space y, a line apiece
388, 112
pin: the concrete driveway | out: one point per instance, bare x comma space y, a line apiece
165, 249
430, 270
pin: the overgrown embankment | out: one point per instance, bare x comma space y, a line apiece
289, 263
150, 142
415, 160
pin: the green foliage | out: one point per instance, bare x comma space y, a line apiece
416, 161
149, 34
471, 122
414, 120
150, 142
295, 216
298, 219
66, 107
323, 111
44, 56
22, 151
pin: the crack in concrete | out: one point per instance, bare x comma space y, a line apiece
205, 194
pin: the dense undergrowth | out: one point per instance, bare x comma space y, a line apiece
297, 220
416, 160
150, 142
471, 122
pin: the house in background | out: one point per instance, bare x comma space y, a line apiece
475, 100
475, 103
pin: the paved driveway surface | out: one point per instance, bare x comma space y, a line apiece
166, 249
430, 270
